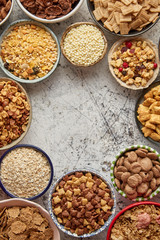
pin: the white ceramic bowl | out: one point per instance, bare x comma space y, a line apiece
55, 20
24, 203
9, 13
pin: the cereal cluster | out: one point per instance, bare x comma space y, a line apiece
149, 114
82, 202
134, 62
137, 173
14, 112
48, 9
22, 223
29, 51
125, 15
5, 6
138, 222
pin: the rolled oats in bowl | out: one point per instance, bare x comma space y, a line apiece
26, 171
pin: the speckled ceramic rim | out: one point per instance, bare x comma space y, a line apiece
61, 227
23, 22
55, 20
138, 199
9, 13
124, 210
39, 150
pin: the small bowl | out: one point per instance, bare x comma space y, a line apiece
14, 142
131, 33
115, 47
25, 203
24, 22
124, 211
49, 162
60, 226
131, 148
77, 25
75, 8
8, 14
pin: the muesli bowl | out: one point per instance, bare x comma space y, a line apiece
74, 197
15, 112
26, 171
6, 10
137, 220
29, 51
16, 205
134, 62
135, 173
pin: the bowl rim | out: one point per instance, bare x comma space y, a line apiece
8, 14
16, 141
124, 210
49, 161
118, 34
122, 193
55, 20
24, 202
75, 25
54, 218
23, 22
114, 48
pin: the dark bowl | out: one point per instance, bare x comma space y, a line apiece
132, 33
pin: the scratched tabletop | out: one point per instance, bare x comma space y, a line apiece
82, 118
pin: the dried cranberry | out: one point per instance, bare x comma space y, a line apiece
120, 69
124, 49
128, 44
125, 65
155, 65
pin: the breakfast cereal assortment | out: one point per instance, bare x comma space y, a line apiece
5, 6
134, 62
149, 114
126, 15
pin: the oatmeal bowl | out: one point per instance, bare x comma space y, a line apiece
26, 171
23, 219
15, 113
82, 203
135, 173
138, 221
134, 62
29, 51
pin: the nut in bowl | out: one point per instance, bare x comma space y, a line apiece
83, 44
23, 219
6, 7
134, 62
15, 112
26, 171
82, 203
29, 51
136, 173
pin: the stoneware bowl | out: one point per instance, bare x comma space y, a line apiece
20, 23
74, 26
75, 8
123, 211
114, 49
38, 150
60, 226
9, 13
112, 172
14, 142
132, 33
24, 203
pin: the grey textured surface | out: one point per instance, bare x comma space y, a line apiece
82, 117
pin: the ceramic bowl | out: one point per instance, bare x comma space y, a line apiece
75, 8
14, 142
132, 33
24, 203
113, 178
48, 160
20, 23
114, 49
8, 14
124, 211
77, 25
60, 226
